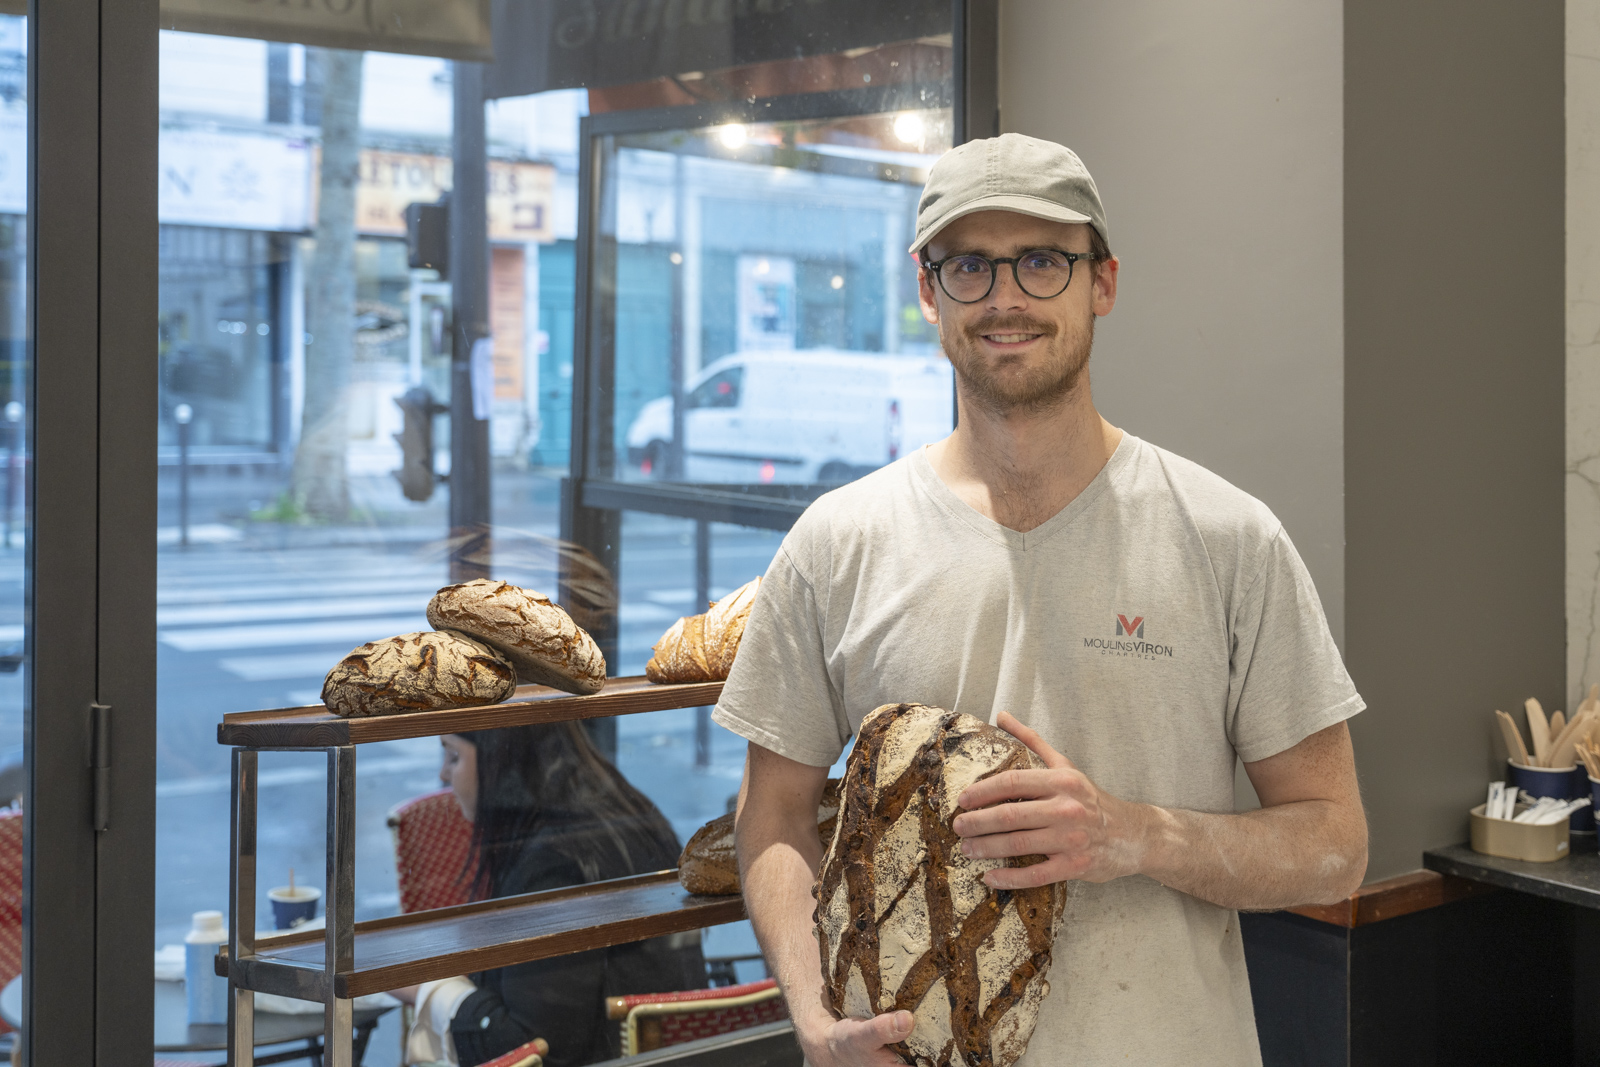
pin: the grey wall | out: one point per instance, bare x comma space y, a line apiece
1454, 443
1341, 228
1213, 131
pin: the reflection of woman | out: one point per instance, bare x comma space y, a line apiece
547, 811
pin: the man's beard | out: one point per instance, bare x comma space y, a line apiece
1041, 386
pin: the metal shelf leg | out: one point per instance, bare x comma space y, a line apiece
339, 906
242, 907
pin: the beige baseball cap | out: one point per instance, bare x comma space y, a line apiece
1012, 172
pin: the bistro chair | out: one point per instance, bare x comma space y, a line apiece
655, 1020
10, 898
432, 850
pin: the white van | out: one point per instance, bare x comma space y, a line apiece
809, 416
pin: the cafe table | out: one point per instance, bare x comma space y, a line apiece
174, 1034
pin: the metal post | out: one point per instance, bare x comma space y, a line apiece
242, 908
702, 595
182, 415
13, 448
339, 905
469, 280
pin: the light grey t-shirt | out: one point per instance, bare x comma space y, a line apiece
1157, 627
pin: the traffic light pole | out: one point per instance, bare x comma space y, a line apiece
469, 276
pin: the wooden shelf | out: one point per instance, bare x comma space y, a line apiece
316, 727
405, 949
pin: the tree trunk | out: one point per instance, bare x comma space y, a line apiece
319, 484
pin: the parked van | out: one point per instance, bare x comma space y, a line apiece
810, 416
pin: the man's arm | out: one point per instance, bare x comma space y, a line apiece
775, 832
1306, 845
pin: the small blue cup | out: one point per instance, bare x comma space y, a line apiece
293, 907
1563, 783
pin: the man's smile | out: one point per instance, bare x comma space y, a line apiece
1010, 338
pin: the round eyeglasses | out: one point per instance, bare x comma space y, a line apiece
1042, 273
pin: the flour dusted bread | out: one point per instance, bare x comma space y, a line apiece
700, 648
417, 672
541, 641
708, 864
905, 921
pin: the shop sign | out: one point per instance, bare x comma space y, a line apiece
520, 194
244, 180
454, 29
561, 44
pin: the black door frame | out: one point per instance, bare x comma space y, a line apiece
89, 895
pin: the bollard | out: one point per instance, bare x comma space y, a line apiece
183, 414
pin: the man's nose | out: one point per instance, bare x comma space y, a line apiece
1006, 294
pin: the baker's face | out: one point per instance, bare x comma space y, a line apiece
1012, 351
458, 769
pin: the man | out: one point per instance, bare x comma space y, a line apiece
1134, 619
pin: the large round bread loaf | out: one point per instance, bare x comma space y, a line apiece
540, 640
905, 921
417, 672
708, 864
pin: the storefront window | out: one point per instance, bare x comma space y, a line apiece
314, 492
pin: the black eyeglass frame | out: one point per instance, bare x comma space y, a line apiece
994, 271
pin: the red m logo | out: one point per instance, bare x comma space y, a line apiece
1129, 627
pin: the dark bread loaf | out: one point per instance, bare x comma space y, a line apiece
708, 864
525, 627
417, 672
905, 921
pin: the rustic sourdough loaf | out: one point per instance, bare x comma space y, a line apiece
700, 648
708, 864
539, 639
417, 672
905, 921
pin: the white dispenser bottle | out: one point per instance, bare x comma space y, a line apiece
205, 990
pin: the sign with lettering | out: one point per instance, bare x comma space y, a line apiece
562, 44
244, 180
454, 29
520, 194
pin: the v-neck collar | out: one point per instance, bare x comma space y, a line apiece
1016, 539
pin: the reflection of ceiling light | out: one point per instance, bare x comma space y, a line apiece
732, 135
837, 282
676, 257
908, 127
763, 266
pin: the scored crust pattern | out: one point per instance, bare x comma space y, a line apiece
904, 919
535, 634
417, 672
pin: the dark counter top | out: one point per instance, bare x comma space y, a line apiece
1574, 880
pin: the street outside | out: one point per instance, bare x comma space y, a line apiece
252, 614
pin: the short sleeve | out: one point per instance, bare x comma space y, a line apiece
1286, 677
779, 694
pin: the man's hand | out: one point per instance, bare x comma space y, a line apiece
856, 1042
1083, 832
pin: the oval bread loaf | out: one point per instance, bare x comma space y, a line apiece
417, 672
541, 641
904, 919
708, 864
700, 648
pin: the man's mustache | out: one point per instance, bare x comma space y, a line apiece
1011, 324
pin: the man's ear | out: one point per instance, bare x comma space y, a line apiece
926, 296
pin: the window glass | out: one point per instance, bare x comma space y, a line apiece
351, 420
15, 517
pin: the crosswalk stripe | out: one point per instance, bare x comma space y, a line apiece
284, 666
354, 631
228, 592
266, 611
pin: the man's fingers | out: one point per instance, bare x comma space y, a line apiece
1008, 722
874, 1033
1005, 819
1055, 869
1009, 785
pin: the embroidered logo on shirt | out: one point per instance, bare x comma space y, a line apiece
1138, 648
